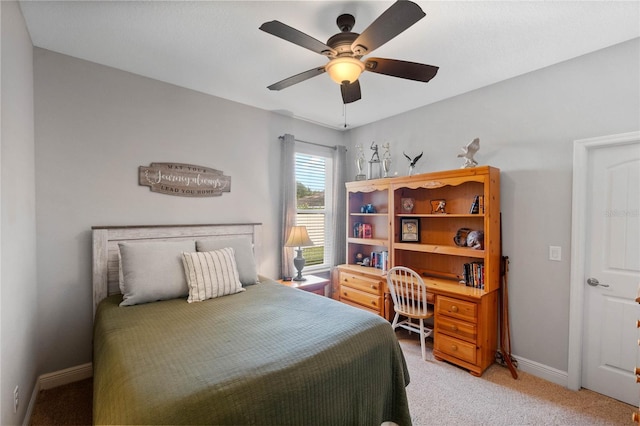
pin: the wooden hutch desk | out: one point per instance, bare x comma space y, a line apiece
438, 204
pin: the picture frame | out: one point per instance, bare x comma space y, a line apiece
409, 230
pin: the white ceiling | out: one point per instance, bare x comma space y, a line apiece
215, 47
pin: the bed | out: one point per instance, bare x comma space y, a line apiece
266, 354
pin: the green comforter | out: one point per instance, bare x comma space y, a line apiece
271, 355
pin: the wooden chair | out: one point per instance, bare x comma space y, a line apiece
409, 294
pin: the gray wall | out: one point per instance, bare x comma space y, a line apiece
95, 125
526, 127
18, 287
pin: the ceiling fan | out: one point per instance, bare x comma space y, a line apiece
346, 48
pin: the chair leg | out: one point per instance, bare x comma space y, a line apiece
423, 344
394, 324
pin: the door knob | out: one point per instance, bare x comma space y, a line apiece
594, 283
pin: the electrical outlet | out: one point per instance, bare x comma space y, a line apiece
16, 399
555, 253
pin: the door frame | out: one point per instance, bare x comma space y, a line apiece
582, 149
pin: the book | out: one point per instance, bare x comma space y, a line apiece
379, 260
475, 205
384, 260
366, 231
473, 274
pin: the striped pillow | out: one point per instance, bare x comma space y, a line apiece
211, 274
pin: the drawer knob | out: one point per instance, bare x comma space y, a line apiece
373, 303
454, 308
454, 328
454, 348
635, 417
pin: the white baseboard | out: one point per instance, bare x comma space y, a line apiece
550, 374
66, 376
55, 379
32, 403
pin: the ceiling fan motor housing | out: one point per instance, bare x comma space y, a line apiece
341, 43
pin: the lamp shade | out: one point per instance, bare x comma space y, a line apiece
298, 237
344, 69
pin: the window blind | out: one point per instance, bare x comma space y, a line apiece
313, 195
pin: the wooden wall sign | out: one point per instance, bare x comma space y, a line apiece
184, 180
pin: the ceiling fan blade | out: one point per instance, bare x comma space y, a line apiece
294, 36
350, 92
400, 16
401, 69
296, 79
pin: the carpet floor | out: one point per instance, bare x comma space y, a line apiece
442, 394
70, 404
439, 394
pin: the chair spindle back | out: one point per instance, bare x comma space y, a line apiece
408, 291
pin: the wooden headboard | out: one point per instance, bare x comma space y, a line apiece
106, 239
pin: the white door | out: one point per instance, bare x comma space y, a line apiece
612, 272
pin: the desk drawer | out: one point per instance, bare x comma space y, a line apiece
455, 347
456, 328
466, 311
369, 285
359, 306
431, 298
361, 297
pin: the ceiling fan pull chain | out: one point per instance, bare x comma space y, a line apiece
344, 112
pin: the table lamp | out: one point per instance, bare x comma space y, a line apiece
298, 237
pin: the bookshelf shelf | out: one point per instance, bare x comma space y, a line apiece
364, 215
442, 216
440, 249
368, 241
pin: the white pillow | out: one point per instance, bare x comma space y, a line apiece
152, 271
211, 274
243, 250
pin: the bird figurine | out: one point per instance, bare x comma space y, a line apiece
468, 152
412, 163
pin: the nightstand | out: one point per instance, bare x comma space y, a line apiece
312, 284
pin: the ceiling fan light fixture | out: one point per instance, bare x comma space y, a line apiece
344, 69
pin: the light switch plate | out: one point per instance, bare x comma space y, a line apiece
555, 253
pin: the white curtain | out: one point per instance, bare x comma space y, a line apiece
288, 202
339, 208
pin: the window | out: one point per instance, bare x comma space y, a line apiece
314, 166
